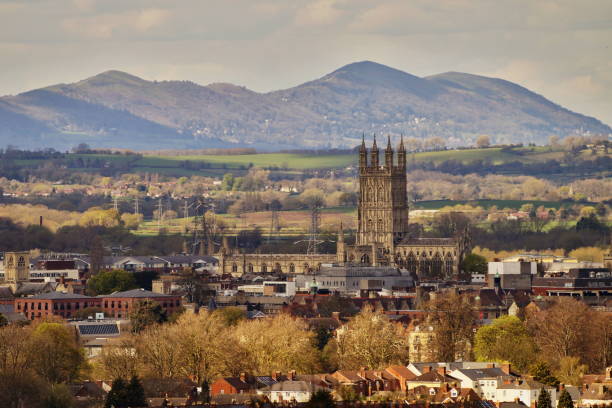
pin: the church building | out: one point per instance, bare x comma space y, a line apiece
382, 230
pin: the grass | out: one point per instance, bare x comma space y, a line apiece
280, 160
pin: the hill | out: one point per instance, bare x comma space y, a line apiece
116, 109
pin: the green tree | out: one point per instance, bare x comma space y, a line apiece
321, 399
541, 373
146, 313
57, 357
473, 263
506, 339
135, 393
228, 182
543, 399
565, 400
58, 396
205, 394
117, 394
230, 316
571, 371
108, 282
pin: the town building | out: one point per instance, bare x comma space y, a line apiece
65, 305
355, 279
119, 304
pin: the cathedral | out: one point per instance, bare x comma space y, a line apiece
382, 231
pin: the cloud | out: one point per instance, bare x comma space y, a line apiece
150, 18
319, 12
107, 25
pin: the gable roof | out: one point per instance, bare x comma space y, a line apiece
400, 371
238, 384
478, 373
295, 386
526, 384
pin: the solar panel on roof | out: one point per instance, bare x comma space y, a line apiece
95, 329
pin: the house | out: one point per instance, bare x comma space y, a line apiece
527, 391
431, 378
88, 393
484, 381
350, 378
243, 384
445, 394
402, 374
290, 391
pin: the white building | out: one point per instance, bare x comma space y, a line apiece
269, 288
484, 381
287, 391
527, 391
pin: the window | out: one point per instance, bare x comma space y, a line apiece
291, 268
234, 267
264, 268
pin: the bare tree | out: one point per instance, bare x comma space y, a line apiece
371, 340
452, 318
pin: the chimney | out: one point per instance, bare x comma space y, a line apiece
362, 372
441, 370
243, 377
40, 221
291, 375
276, 375
426, 369
445, 387
506, 368
491, 365
336, 316
561, 387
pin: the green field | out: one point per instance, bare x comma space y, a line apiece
217, 165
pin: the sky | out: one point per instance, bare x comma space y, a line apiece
560, 49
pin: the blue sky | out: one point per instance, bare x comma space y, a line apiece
560, 49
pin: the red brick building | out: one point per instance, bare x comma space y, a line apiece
233, 385
120, 304
54, 304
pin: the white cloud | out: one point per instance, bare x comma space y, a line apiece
150, 18
319, 12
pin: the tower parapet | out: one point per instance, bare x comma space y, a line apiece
383, 205
373, 166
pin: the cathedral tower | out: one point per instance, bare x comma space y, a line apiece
16, 268
383, 204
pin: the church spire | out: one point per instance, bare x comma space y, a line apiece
374, 153
389, 153
363, 153
401, 154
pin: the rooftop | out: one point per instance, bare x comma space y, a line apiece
136, 293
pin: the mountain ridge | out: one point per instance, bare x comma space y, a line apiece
118, 109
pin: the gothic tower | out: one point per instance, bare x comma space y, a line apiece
382, 214
16, 268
